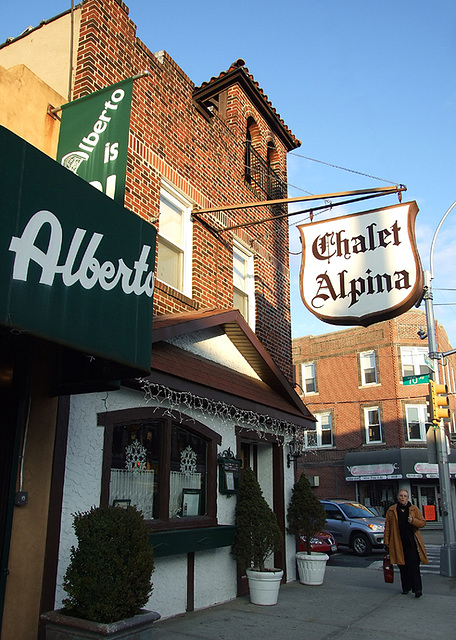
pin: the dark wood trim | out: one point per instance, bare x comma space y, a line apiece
191, 581
242, 336
112, 418
106, 466
55, 506
248, 434
279, 504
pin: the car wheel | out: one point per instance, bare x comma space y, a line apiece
361, 545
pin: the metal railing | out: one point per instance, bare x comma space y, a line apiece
262, 177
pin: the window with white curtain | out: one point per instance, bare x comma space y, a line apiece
416, 416
368, 367
413, 361
372, 425
309, 381
244, 283
161, 466
174, 241
324, 430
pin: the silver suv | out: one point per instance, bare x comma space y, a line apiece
353, 525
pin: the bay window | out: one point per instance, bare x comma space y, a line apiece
164, 467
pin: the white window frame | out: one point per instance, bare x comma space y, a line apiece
311, 366
368, 424
248, 288
422, 420
414, 357
314, 439
185, 247
366, 359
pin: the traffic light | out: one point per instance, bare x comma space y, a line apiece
438, 402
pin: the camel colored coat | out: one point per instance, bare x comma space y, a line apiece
393, 539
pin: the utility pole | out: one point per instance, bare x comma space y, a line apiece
448, 549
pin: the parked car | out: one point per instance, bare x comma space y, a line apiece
354, 525
322, 542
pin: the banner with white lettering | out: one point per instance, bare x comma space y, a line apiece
93, 141
361, 268
76, 268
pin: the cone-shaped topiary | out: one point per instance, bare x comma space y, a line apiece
257, 531
109, 575
306, 515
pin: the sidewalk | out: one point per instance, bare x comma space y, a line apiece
352, 604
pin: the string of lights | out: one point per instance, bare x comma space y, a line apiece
178, 402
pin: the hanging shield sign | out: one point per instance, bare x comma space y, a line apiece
361, 268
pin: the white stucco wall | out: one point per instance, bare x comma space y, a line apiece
82, 491
215, 570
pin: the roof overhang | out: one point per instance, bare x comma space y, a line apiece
240, 76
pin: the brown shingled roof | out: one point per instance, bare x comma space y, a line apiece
272, 390
195, 369
238, 72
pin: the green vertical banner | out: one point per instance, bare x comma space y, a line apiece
93, 141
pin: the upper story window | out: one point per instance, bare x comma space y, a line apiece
372, 425
368, 367
323, 434
413, 362
174, 241
416, 416
244, 283
259, 171
167, 469
309, 380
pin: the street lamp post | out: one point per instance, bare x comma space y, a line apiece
448, 549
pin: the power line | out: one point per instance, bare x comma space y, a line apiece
335, 166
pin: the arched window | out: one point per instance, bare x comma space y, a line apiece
252, 137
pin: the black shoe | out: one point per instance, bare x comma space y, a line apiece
418, 594
405, 591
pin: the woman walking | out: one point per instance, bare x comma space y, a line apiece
404, 542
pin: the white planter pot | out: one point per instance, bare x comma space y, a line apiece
264, 586
311, 568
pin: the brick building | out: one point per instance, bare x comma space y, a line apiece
371, 429
221, 369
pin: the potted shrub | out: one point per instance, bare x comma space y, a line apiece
257, 536
306, 517
108, 580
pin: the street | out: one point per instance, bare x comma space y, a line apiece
433, 539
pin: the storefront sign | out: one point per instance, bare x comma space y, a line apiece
432, 470
393, 464
380, 471
361, 268
75, 267
93, 141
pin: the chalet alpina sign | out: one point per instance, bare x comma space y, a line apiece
361, 268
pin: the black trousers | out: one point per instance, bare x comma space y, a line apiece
410, 571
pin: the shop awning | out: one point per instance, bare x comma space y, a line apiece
390, 464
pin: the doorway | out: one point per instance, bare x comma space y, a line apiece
427, 499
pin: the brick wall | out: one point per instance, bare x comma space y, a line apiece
203, 158
340, 390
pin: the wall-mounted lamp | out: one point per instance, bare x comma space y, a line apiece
294, 451
422, 334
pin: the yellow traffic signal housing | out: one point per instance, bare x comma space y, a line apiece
438, 401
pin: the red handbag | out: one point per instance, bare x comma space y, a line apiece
388, 569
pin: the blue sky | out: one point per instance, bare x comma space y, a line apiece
367, 86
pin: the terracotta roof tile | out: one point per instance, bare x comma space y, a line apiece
238, 69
